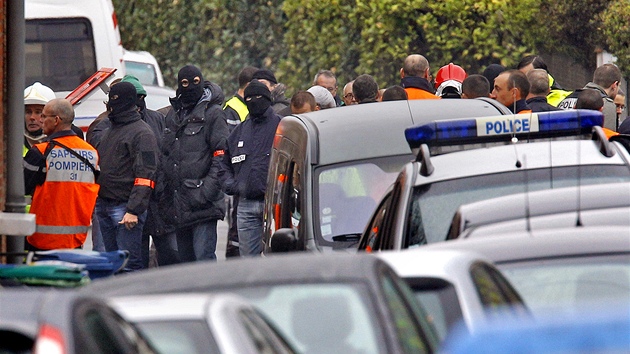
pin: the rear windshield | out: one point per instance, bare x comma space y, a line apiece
59, 52
434, 205
145, 72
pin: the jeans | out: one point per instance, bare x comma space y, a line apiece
97, 238
116, 236
198, 242
249, 219
165, 246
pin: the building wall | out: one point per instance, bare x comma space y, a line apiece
3, 112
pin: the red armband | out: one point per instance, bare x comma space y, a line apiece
219, 153
144, 182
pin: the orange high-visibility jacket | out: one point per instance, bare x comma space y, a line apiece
64, 203
419, 94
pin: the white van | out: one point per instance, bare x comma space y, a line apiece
66, 42
145, 67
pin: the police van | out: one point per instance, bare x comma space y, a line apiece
463, 161
329, 168
66, 42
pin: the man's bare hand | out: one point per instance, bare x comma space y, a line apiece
129, 220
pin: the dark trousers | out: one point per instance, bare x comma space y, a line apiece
165, 247
231, 250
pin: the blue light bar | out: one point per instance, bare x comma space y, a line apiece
502, 128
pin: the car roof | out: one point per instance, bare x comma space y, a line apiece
355, 132
504, 158
238, 273
550, 243
541, 203
139, 308
425, 262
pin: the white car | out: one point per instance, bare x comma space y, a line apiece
201, 323
145, 67
455, 286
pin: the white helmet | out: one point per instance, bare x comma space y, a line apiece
38, 94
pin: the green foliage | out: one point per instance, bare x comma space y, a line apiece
615, 25
296, 38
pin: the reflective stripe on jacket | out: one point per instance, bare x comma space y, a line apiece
64, 203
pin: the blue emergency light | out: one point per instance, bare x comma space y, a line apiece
502, 128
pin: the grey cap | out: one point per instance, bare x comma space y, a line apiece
323, 97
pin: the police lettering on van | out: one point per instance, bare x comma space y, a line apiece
521, 123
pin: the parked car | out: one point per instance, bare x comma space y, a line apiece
329, 168
455, 286
145, 67
600, 204
44, 321
567, 269
334, 303
419, 207
201, 323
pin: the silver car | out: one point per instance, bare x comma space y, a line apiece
201, 323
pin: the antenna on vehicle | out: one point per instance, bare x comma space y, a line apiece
514, 138
527, 208
578, 222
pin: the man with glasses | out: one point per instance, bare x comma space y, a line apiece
60, 173
348, 96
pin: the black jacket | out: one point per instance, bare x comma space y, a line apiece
539, 104
193, 142
128, 150
245, 164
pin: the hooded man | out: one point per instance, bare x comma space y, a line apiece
246, 163
193, 143
129, 156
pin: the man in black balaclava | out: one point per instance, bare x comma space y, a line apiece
245, 164
128, 154
193, 143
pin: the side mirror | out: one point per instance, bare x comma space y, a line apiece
283, 240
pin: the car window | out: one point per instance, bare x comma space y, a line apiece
179, 337
59, 52
330, 318
439, 299
571, 283
145, 72
348, 194
265, 338
434, 205
376, 225
409, 335
489, 291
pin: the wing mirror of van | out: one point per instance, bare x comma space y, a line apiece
283, 240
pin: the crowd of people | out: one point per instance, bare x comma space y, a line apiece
165, 174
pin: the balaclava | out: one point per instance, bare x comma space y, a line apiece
189, 85
257, 105
139, 89
122, 97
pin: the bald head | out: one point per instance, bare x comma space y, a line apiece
415, 65
62, 108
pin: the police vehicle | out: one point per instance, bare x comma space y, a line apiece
419, 206
329, 168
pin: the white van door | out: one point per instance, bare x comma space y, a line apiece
66, 42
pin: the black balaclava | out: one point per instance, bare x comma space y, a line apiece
122, 97
189, 85
257, 105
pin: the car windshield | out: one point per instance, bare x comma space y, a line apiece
326, 318
348, 194
571, 283
434, 205
185, 336
145, 72
441, 303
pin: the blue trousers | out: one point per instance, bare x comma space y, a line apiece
116, 236
198, 242
249, 219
